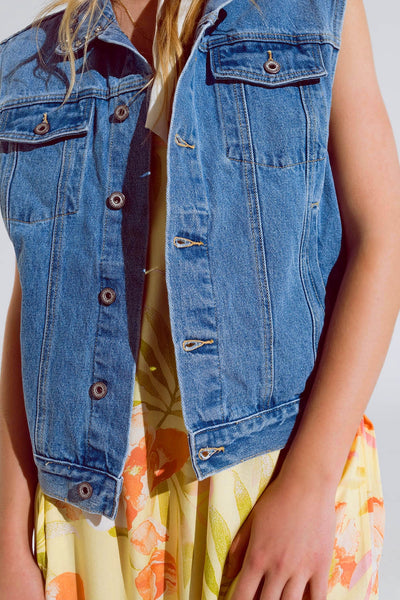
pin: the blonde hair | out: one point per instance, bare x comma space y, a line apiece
171, 49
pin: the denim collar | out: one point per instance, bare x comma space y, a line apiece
105, 25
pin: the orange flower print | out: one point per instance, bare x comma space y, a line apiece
135, 481
376, 512
67, 586
368, 432
146, 536
168, 453
158, 578
68, 511
153, 459
345, 549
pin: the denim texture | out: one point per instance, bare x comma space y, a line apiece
253, 234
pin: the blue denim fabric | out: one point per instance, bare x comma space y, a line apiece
249, 180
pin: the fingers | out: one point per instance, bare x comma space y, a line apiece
249, 586
318, 588
295, 589
252, 585
238, 549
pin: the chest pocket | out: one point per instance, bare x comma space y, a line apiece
271, 101
42, 157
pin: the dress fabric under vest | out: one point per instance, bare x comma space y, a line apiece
172, 532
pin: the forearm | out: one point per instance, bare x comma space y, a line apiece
18, 475
355, 347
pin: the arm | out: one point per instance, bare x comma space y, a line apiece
367, 179
18, 473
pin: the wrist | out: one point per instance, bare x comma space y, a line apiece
310, 474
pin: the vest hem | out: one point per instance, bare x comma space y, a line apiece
62, 480
216, 448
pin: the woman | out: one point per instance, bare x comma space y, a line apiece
246, 138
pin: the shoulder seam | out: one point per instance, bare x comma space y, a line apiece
340, 6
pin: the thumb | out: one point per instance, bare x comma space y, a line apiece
237, 550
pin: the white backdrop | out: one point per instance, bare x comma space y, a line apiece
384, 406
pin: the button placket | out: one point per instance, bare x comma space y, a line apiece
121, 113
98, 390
107, 296
116, 200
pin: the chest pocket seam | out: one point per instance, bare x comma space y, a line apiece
269, 98
42, 174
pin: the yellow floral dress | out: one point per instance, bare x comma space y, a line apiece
172, 532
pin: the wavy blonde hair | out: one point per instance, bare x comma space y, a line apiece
171, 48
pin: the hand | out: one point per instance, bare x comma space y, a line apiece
284, 548
20, 577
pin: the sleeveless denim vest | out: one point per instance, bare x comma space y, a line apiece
253, 235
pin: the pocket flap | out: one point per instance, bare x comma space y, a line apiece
19, 123
250, 61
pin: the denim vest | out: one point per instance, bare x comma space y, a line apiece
253, 235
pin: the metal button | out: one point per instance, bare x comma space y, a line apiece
42, 128
116, 200
107, 296
272, 66
121, 113
85, 490
98, 390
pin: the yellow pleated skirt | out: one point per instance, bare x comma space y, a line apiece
172, 532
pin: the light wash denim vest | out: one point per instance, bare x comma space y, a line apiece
253, 235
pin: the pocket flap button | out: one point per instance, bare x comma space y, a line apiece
43, 127
271, 66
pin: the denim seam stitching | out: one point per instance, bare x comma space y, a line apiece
316, 38
268, 321
39, 99
283, 77
258, 415
304, 245
64, 174
315, 120
314, 216
222, 120
312, 168
302, 162
258, 235
8, 177
50, 460
49, 138
51, 298
217, 326
218, 337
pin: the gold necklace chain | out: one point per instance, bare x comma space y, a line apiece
132, 20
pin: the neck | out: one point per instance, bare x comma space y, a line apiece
137, 19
